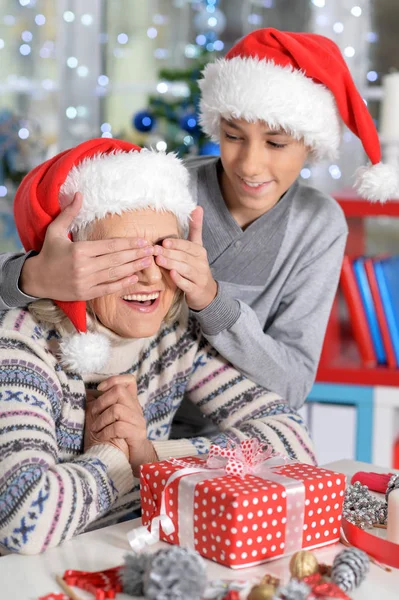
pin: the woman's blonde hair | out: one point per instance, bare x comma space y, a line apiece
47, 311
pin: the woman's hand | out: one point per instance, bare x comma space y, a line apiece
187, 262
66, 270
118, 414
90, 438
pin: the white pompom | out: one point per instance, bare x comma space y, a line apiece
84, 352
377, 183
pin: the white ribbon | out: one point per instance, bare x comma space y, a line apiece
140, 537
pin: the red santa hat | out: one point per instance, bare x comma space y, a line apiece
113, 176
298, 82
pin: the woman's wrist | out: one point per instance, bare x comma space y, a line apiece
147, 455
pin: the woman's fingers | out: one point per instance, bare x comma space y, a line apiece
116, 412
126, 380
116, 430
117, 394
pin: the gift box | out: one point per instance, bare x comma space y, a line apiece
240, 507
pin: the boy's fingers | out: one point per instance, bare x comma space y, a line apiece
61, 224
182, 268
111, 288
117, 273
113, 245
182, 283
195, 229
119, 259
183, 246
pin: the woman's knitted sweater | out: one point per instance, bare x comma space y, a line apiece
50, 489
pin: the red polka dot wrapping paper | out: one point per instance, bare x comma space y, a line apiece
242, 521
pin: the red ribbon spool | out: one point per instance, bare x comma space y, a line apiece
381, 550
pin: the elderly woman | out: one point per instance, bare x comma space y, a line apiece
88, 392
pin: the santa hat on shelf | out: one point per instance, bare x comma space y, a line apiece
114, 176
301, 83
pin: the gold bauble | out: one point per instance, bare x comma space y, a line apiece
303, 564
262, 592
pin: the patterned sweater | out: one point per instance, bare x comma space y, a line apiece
50, 489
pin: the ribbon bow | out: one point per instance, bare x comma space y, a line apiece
240, 460
141, 537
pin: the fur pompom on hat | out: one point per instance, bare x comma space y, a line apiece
113, 176
298, 82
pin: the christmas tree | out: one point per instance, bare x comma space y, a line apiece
170, 121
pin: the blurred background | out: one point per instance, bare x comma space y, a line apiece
75, 69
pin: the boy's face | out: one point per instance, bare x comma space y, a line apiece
259, 166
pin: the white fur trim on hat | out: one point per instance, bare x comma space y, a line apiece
378, 182
123, 181
84, 352
256, 89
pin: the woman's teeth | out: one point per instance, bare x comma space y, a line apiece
141, 297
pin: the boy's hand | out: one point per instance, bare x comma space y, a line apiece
187, 262
66, 270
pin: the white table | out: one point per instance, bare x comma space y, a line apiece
29, 577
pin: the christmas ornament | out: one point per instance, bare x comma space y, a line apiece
376, 482
132, 573
175, 574
209, 149
350, 568
303, 564
156, 142
189, 122
205, 21
262, 592
320, 588
361, 508
294, 590
270, 579
232, 595
144, 121
393, 484
325, 570
219, 589
102, 584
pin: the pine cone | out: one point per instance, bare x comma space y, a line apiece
350, 568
